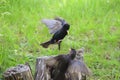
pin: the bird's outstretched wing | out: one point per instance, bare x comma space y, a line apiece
54, 25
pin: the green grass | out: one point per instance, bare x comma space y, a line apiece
95, 25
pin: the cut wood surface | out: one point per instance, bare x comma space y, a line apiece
20, 72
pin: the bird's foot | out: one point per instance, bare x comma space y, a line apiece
59, 42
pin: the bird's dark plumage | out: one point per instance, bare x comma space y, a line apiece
58, 27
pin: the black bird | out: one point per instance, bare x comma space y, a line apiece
58, 27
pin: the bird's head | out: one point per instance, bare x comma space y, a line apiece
66, 26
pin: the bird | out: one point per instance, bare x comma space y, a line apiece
59, 28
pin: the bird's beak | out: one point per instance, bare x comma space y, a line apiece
67, 31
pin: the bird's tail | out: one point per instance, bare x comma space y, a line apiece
46, 44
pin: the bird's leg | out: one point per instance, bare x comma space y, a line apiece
59, 46
59, 42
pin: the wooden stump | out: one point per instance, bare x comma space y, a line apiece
20, 72
42, 71
77, 70
69, 66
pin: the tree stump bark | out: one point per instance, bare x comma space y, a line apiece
69, 66
77, 70
20, 72
42, 72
